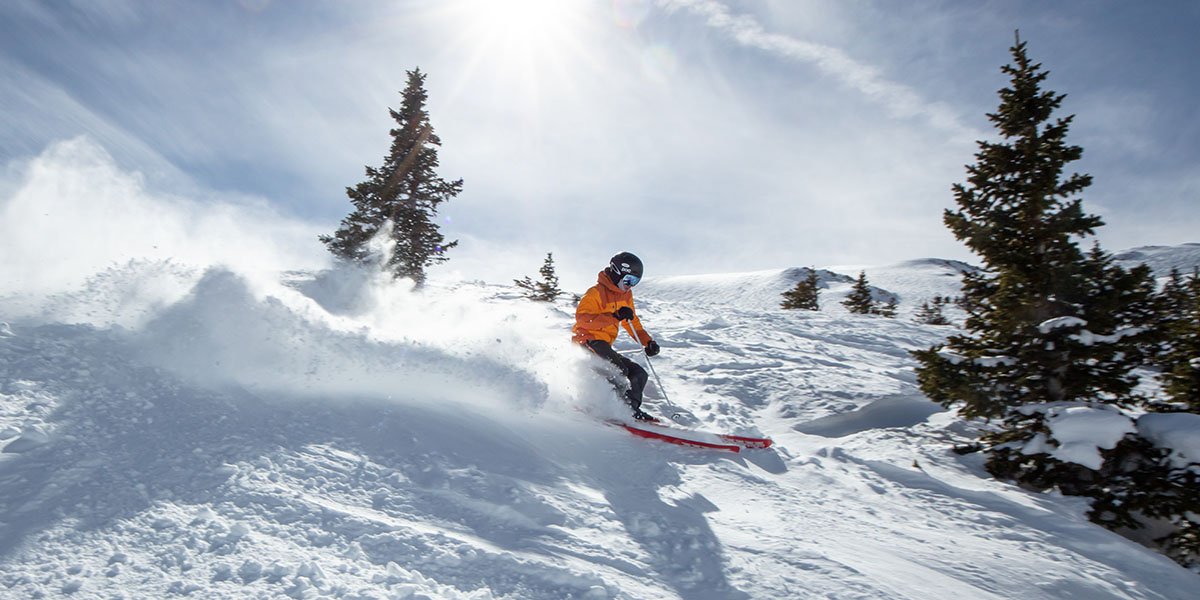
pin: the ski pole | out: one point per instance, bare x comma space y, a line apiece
657, 381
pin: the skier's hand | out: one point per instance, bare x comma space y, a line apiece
652, 348
623, 314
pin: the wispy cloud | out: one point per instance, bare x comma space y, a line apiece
899, 99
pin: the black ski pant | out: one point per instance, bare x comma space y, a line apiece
634, 372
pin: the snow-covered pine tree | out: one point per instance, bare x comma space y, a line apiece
1118, 306
805, 295
1179, 322
547, 289
1047, 323
859, 300
1140, 482
402, 195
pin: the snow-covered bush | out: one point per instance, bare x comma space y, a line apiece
1143, 476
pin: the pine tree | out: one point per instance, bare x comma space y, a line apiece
1046, 323
859, 300
1179, 322
805, 295
547, 289
932, 313
401, 197
1173, 299
886, 309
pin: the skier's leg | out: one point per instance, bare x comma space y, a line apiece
634, 372
613, 374
637, 382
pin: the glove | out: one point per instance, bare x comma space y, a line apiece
623, 314
652, 348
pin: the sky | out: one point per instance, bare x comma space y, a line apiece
705, 136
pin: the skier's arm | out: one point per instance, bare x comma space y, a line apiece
590, 315
643, 338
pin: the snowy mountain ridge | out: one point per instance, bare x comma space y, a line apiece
213, 432
909, 283
1161, 259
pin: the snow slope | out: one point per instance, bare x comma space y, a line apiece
246, 441
193, 424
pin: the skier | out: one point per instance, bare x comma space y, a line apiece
603, 309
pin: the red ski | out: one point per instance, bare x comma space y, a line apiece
656, 430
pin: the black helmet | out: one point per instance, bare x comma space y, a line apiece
624, 264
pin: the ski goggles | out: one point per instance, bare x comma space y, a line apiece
629, 280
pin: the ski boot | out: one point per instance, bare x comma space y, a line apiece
641, 415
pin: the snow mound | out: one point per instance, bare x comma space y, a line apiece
1081, 432
1178, 431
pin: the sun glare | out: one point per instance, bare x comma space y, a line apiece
526, 52
518, 28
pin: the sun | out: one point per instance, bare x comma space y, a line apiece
523, 54
520, 29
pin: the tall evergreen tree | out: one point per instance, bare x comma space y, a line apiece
805, 295
859, 300
402, 196
547, 289
1046, 323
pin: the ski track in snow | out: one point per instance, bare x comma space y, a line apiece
245, 440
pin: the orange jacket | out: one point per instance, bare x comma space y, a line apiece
594, 318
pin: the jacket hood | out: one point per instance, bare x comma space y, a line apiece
605, 281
